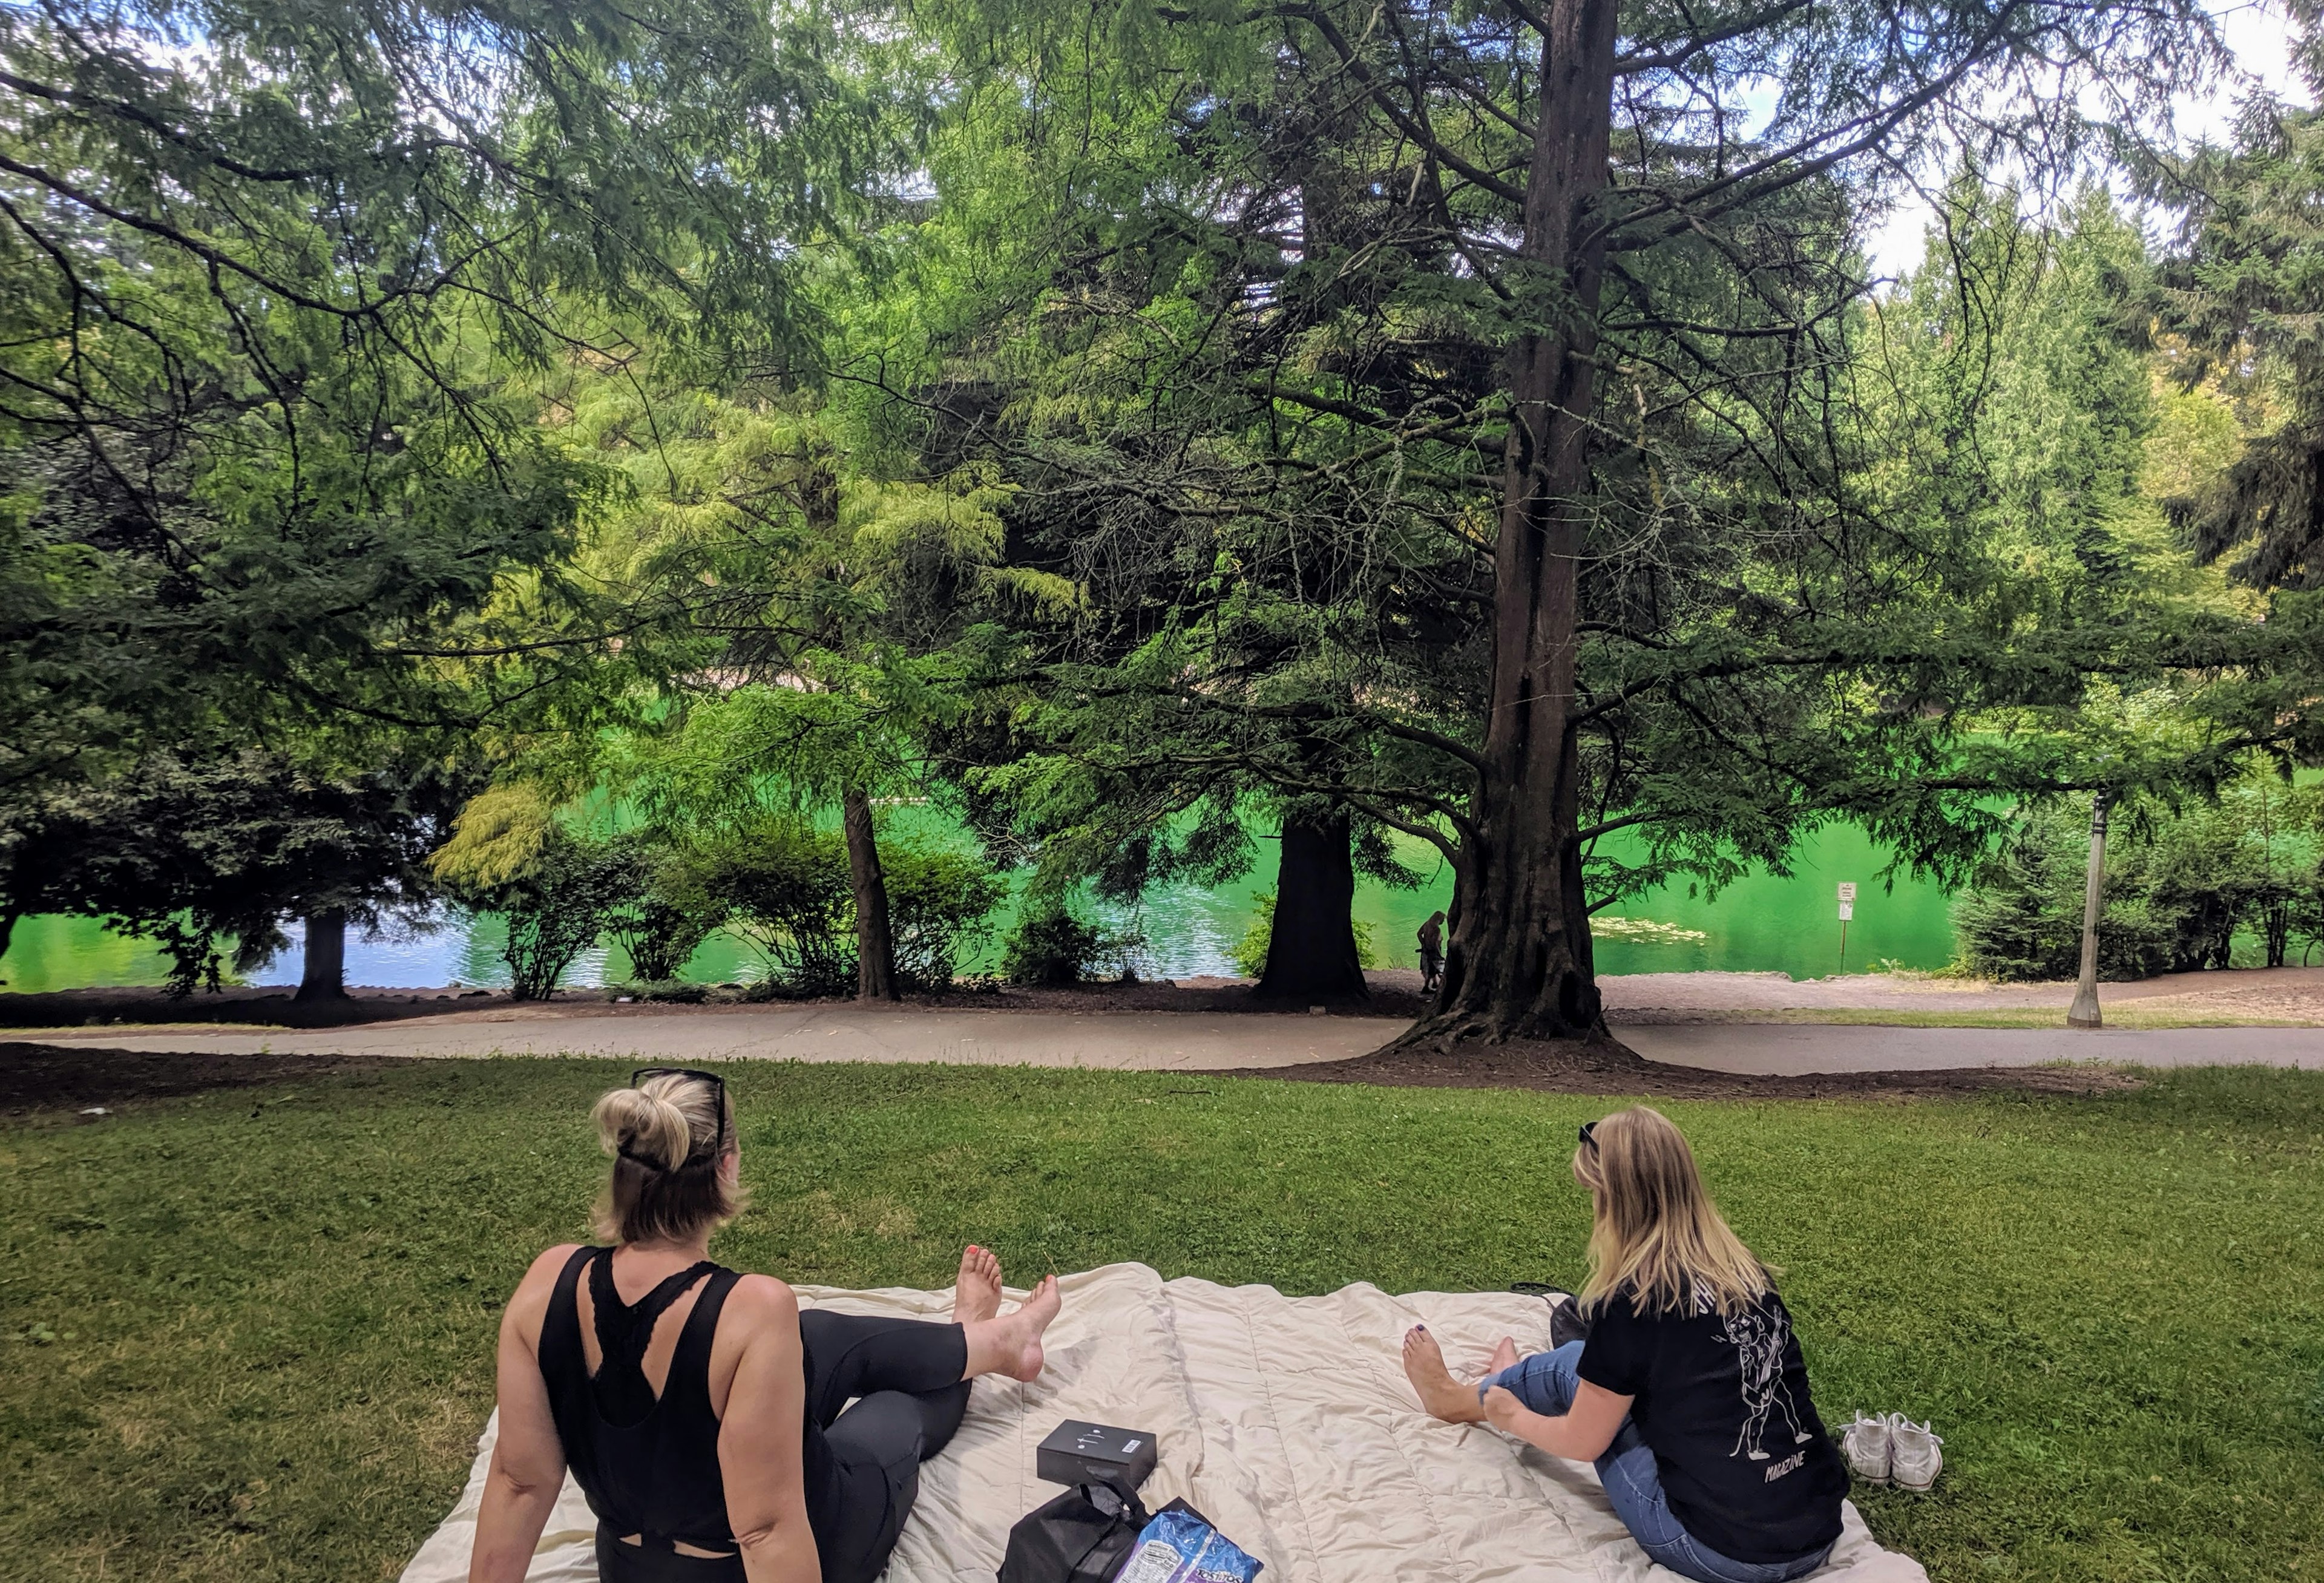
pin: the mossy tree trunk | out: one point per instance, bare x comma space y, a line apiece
875, 939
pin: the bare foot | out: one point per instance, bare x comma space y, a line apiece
1444, 1396
1012, 1344
977, 1295
1505, 1355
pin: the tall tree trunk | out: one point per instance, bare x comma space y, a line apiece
2086, 1012
322, 973
875, 940
8, 916
1518, 963
1311, 950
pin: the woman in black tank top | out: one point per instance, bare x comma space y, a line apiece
700, 1410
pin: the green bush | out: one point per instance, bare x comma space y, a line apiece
679, 990
1248, 953
1052, 946
785, 889
2181, 885
938, 902
784, 886
558, 907
1049, 945
671, 910
2023, 919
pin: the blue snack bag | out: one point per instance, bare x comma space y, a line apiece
1179, 1547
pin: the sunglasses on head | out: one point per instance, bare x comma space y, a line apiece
716, 1083
1589, 1135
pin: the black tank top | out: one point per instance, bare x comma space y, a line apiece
649, 1467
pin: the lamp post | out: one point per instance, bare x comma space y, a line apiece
2084, 1012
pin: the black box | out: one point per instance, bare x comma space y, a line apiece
1094, 1453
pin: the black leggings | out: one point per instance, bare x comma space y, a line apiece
904, 1378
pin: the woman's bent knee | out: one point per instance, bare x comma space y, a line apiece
1545, 1382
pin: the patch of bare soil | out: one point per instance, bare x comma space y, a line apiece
1391, 996
40, 1078
1607, 1067
273, 1008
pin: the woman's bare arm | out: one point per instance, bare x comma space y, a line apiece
760, 1436
1581, 1433
527, 1466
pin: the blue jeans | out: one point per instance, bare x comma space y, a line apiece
1545, 1383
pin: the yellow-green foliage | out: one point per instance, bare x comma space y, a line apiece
498, 836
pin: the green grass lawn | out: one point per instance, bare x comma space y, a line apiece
248, 1332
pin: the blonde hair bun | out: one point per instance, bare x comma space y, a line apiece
644, 1125
670, 1180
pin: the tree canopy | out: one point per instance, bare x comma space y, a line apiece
1410, 426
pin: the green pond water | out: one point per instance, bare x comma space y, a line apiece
1764, 923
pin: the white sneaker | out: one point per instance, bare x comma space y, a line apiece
1867, 1443
1914, 1460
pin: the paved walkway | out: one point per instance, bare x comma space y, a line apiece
1191, 1042
1792, 1050
2252, 995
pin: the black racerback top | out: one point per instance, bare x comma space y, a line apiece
649, 1467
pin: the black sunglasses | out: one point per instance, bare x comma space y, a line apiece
1589, 1141
716, 1083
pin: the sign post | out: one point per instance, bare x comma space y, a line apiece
1847, 911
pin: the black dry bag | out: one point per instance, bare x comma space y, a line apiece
1082, 1536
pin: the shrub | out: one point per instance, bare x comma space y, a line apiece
557, 906
2305, 913
671, 910
784, 887
938, 900
1248, 953
2176, 894
2200, 883
672, 989
1051, 945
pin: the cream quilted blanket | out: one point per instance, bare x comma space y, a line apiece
1286, 1420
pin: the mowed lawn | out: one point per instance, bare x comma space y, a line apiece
248, 1332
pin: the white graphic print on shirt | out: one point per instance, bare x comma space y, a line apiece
1759, 1335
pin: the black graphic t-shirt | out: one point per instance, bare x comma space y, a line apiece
1744, 1460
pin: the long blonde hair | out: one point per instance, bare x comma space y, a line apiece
1657, 1237
667, 1182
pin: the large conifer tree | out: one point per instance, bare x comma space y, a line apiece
1462, 414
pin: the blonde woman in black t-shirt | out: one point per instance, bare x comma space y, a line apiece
1685, 1385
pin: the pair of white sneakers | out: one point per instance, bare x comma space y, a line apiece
1892, 1449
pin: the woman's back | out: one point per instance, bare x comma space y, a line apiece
712, 1443
647, 1458
1687, 1389
1723, 1399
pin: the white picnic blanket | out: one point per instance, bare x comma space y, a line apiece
1286, 1420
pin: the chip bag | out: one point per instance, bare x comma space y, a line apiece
1179, 1547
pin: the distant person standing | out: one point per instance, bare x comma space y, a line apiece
1432, 952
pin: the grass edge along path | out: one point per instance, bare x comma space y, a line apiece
248, 1330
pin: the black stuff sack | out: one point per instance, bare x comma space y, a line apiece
1082, 1536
